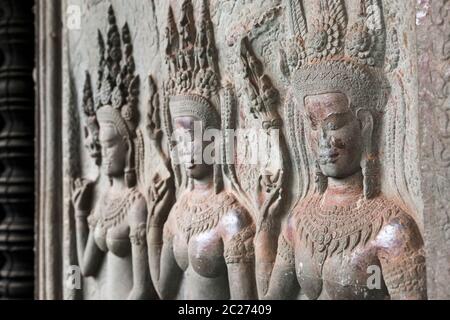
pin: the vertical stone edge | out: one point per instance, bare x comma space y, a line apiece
49, 273
433, 34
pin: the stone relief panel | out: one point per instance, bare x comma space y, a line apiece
433, 26
325, 90
112, 227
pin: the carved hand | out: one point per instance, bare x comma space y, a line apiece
272, 185
161, 197
82, 190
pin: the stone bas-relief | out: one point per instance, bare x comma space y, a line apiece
346, 225
204, 249
113, 228
313, 220
434, 62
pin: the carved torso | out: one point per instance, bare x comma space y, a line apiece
198, 227
112, 229
336, 250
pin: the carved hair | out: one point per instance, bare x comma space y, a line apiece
195, 106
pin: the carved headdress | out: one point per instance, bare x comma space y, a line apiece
332, 57
327, 56
193, 76
193, 85
117, 91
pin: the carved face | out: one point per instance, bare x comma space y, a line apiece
91, 141
336, 134
114, 149
191, 146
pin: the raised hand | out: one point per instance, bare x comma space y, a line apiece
273, 187
82, 190
161, 196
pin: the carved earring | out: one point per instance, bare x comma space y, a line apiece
217, 174
370, 173
130, 171
218, 178
321, 180
369, 161
190, 184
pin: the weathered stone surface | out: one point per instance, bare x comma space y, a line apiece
433, 30
353, 177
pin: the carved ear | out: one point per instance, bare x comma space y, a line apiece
128, 145
366, 119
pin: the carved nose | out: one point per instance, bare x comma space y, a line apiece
324, 141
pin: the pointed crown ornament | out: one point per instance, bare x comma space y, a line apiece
190, 55
334, 58
117, 87
117, 90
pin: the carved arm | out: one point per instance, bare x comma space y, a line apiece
88, 253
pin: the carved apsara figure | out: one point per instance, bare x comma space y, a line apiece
344, 239
203, 248
110, 233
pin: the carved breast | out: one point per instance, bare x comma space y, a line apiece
112, 228
204, 254
197, 243
345, 276
114, 239
335, 252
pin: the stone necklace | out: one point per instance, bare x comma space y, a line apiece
199, 213
327, 232
114, 208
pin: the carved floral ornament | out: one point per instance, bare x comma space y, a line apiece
322, 56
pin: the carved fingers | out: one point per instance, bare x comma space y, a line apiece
82, 194
273, 181
272, 203
161, 197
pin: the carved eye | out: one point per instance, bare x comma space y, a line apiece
313, 123
332, 126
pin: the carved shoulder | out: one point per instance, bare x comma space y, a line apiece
137, 216
398, 236
235, 219
138, 208
401, 253
237, 230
